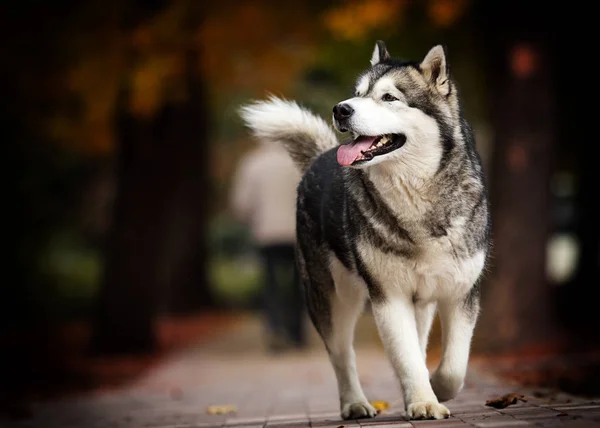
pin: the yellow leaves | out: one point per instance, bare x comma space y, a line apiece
252, 45
354, 20
94, 82
145, 96
96, 78
380, 406
221, 410
245, 47
148, 83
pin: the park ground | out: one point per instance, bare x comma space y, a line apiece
214, 372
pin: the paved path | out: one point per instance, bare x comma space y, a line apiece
292, 390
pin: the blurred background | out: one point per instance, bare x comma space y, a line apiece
121, 144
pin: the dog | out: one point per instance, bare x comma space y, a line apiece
398, 216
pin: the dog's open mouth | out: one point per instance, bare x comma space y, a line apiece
364, 148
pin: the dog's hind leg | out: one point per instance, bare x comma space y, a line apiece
345, 302
458, 318
424, 315
396, 321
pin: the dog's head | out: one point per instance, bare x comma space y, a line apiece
401, 111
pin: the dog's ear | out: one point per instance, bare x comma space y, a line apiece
435, 69
380, 53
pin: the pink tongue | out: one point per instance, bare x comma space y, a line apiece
347, 153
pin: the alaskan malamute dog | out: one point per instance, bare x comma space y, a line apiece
399, 216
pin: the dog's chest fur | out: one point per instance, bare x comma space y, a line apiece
434, 272
441, 263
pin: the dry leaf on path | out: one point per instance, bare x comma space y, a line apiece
221, 410
505, 400
380, 406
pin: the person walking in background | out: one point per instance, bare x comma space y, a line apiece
264, 198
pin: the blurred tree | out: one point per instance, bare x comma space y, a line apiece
44, 180
156, 256
577, 299
521, 68
73, 62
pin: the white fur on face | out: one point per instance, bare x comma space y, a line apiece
373, 116
362, 86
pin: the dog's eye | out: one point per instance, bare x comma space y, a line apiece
389, 97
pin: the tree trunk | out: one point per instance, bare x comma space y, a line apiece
579, 300
516, 305
155, 259
190, 290
129, 295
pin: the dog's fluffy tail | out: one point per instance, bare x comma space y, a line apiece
304, 135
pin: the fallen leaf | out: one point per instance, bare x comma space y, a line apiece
221, 410
380, 406
505, 400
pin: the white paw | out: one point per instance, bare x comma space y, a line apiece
446, 387
427, 410
358, 410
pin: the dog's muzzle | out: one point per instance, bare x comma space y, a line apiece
342, 112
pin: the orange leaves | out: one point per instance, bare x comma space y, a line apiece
221, 410
354, 20
245, 47
254, 45
148, 83
444, 13
93, 80
505, 401
97, 74
380, 406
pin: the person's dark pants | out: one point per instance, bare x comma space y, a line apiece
283, 297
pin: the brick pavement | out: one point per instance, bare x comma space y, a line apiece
292, 390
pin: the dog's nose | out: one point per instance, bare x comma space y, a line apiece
342, 111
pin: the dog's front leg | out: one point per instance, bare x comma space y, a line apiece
395, 318
458, 319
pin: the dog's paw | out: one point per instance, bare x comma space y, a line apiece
427, 410
358, 410
446, 387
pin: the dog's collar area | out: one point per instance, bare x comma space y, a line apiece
365, 148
